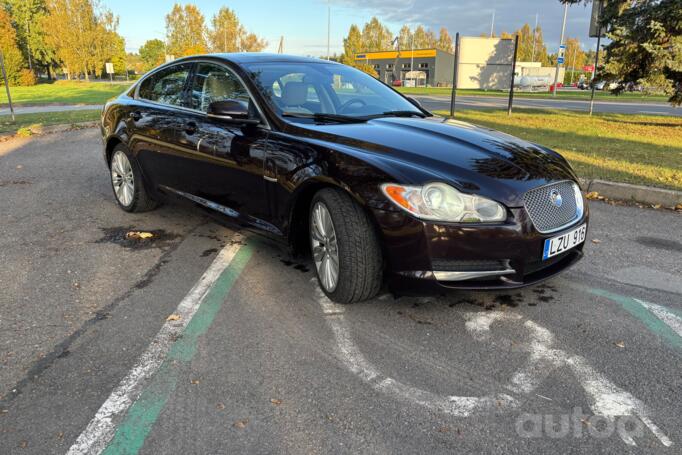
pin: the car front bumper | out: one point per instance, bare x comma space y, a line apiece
460, 256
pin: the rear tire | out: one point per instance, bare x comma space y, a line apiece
350, 238
127, 184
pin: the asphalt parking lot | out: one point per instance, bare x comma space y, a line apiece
204, 340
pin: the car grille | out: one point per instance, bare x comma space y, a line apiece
544, 214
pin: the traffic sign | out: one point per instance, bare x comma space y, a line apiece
561, 55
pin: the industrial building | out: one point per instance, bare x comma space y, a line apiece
432, 67
484, 63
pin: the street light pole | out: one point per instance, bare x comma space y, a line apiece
561, 42
329, 26
492, 24
535, 34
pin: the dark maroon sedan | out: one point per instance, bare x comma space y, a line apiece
334, 162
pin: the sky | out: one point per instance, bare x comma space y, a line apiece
303, 23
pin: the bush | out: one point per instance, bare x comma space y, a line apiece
26, 78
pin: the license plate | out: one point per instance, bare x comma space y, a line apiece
564, 242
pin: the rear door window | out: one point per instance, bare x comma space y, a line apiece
215, 83
166, 86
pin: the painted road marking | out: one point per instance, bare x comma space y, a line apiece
605, 398
662, 321
154, 367
666, 315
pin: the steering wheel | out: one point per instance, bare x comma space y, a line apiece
350, 102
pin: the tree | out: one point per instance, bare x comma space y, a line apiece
185, 31
83, 39
405, 38
228, 35
646, 43
424, 39
352, 45
152, 54
575, 56
444, 41
27, 18
250, 42
14, 61
376, 36
226, 32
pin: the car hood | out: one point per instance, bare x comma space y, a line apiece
474, 159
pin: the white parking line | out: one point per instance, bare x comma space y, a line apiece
102, 427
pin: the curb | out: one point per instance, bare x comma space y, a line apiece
628, 192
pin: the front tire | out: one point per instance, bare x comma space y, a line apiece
126, 181
345, 248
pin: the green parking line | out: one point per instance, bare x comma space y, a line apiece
141, 416
636, 309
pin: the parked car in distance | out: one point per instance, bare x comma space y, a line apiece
335, 163
397, 83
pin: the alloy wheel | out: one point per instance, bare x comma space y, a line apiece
122, 178
325, 247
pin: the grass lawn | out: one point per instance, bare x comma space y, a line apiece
579, 95
639, 149
63, 92
27, 121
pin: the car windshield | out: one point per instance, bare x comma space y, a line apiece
326, 91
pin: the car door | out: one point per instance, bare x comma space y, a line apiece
153, 123
224, 167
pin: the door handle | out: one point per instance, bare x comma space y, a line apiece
136, 115
190, 128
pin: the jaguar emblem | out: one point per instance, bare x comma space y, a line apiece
555, 198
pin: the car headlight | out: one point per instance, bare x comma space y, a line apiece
441, 202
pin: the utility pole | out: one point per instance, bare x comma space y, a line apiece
535, 35
280, 48
453, 96
596, 64
4, 77
513, 75
561, 42
329, 27
492, 24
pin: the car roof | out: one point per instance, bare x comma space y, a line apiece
258, 57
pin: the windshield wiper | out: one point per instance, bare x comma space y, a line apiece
398, 114
319, 117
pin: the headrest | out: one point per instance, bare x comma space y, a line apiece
295, 93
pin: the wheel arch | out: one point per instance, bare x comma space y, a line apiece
111, 143
299, 212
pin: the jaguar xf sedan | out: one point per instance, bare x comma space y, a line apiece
340, 166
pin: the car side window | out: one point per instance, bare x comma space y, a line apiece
166, 86
215, 83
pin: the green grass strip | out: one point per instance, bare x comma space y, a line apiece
143, 414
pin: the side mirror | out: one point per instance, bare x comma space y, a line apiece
231, 111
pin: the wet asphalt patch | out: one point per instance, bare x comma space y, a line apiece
128, 237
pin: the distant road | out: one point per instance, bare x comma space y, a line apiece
441, 102
436, 103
